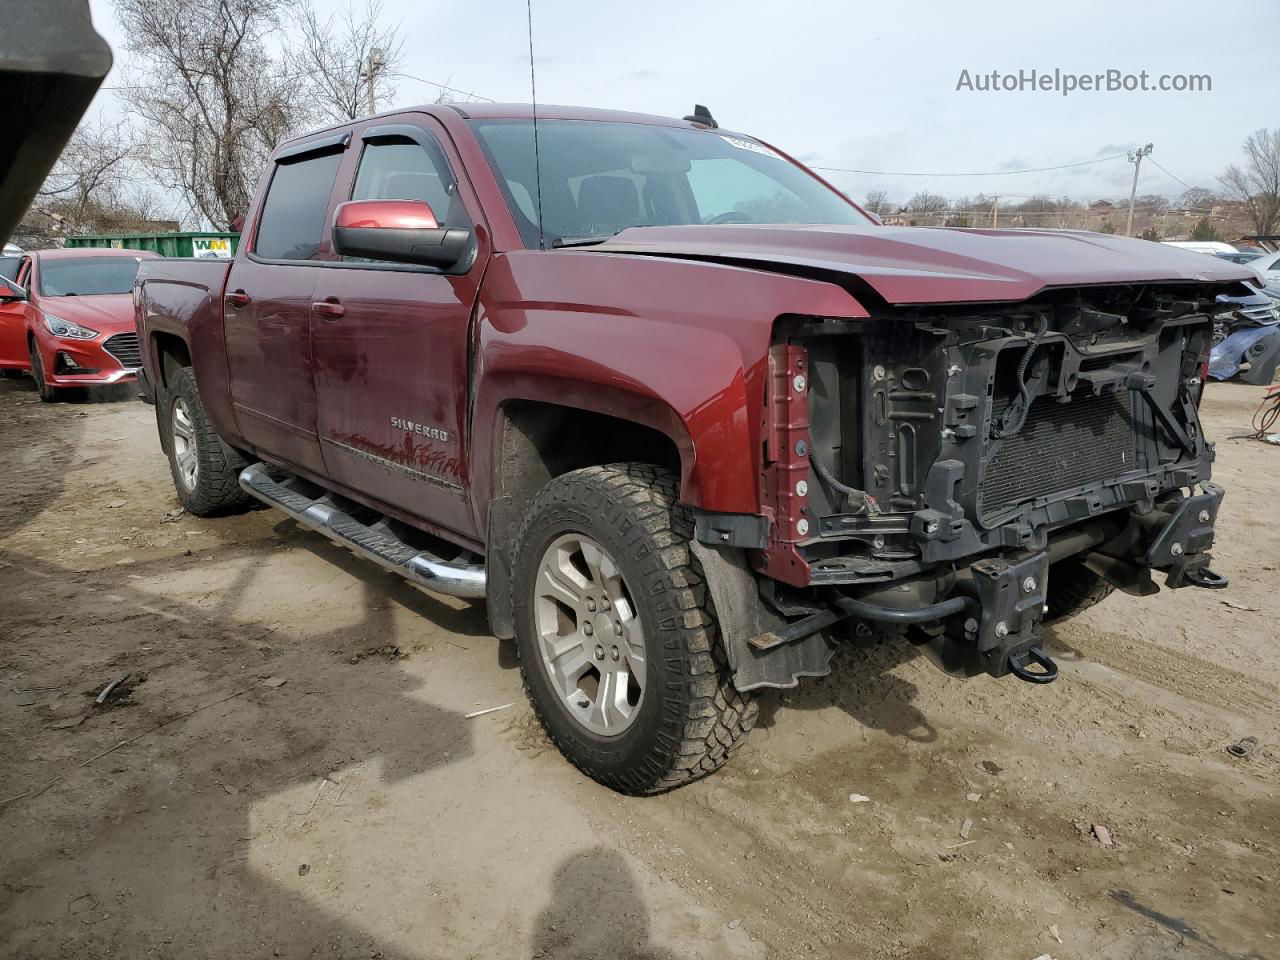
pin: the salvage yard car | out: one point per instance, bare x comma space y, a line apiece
67, 319
681, 412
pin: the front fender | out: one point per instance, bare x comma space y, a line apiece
676, 345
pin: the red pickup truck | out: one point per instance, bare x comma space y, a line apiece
682, 413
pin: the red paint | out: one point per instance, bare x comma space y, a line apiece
786, 465
906, 265
22, 322
191, 292
386, 215
678, 346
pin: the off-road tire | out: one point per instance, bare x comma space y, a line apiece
1073, 588
47, 393
691, 717
217, 486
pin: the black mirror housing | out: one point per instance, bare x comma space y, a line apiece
439, 247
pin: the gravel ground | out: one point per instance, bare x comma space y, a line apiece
288, 770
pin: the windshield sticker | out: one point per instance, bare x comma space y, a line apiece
749, 145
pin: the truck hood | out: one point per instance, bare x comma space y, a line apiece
106, 313
919, 265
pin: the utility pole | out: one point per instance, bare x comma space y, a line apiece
1135, 157
995, 212
371, 68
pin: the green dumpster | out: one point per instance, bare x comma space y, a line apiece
188, 244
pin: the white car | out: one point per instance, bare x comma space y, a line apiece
1269, 267
1201, 246
10, 258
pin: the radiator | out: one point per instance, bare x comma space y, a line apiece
1061, 446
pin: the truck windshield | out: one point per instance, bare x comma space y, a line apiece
601, 177
87, 276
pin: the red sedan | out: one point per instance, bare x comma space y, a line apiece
68, 319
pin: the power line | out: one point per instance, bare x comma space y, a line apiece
982, 173
1063, 196
1167, 173
444, 86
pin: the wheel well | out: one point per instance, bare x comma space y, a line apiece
536, 443
171, 352
541, 441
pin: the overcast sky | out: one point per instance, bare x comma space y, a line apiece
872, 85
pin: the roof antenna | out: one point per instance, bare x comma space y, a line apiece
537, 162
703, 116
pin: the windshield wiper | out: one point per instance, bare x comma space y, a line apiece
582, 241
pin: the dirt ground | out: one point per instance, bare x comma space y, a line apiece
353, 811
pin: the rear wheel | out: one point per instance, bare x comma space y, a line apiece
1073, 588
616, 634
47, 393
206, 470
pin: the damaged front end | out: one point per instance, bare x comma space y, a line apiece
932, 469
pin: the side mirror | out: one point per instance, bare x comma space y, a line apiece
402, 231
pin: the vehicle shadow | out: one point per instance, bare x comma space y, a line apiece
862, 685
158, 848
464, 617
113, 393
597, 912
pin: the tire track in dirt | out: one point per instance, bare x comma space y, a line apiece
1190, 677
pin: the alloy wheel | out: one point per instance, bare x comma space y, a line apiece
590, 638
184, 444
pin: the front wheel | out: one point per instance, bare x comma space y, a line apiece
616, 634
47, 393
206, 472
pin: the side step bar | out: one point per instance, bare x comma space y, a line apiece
377, 543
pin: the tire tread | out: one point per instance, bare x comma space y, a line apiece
218, 488
717, 717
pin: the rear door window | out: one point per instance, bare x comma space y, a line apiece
293, 215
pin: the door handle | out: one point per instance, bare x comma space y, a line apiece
237, 298
330, 309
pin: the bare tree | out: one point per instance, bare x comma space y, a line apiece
212, 100
333, 57
1153, 204
925, 202
877, 202
1256, 184
1197, 198
925, 207
91, 174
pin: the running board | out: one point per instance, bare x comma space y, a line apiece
377, 542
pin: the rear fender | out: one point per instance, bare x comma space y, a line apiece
191, 311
